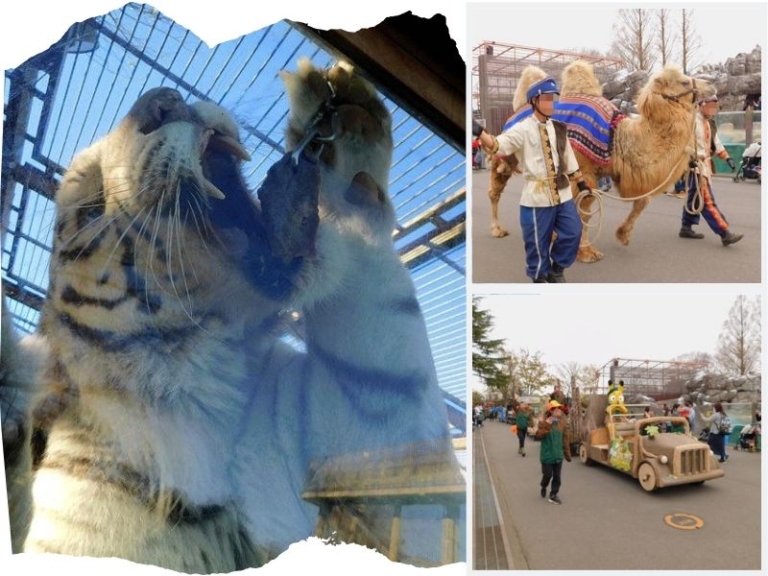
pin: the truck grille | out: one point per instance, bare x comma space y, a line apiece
693, 461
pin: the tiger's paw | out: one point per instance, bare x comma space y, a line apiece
14, 426
338, 117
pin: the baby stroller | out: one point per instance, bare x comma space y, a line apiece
747, 438
750, 168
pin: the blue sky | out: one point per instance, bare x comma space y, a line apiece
97, 88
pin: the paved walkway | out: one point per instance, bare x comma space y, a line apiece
490, 549
607, 521
655, 253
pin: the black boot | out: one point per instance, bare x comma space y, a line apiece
541, 280
557, 275
687, 232
730, 238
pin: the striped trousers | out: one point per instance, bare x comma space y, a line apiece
710, 211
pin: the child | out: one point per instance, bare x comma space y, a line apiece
549, 166
555, 445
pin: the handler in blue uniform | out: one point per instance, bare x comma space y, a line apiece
549, 166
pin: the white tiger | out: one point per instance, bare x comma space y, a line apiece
184, 429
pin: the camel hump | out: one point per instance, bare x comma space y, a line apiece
579, 78
529, 76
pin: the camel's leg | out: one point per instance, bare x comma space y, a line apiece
500, 174
587, 252
624, 231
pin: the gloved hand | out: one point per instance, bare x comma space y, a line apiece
692, 163
477, 128
731, 164
582, 185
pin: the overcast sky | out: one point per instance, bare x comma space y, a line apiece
725, 29
594, 326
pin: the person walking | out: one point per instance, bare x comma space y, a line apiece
700, 193
717, 436
555, 446
549, 166
522, 420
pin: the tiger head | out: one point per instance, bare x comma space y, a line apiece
156, 218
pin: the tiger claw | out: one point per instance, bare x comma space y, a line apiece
304, 142
313, 128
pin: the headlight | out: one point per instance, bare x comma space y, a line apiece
663, 459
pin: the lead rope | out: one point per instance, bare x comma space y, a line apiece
697, 202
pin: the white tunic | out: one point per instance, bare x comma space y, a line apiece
524, 140
703, 151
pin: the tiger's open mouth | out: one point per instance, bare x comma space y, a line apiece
213, 142
189, 173
183, 146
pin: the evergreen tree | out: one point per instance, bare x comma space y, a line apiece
488, 355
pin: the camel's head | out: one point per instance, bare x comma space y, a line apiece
529, 76
579, 78
671, 87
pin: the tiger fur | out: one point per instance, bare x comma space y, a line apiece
177, 441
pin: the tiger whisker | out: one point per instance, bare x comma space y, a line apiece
175, 229
151, 261
184, 225
119, 241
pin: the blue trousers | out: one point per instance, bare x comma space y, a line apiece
538, 224
717, 443
710, 211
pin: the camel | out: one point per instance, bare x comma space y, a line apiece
645, 153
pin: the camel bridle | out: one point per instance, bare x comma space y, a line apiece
676, 97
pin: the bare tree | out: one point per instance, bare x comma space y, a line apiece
665, 38
739, 346
585, 376
690, 42
528, 373
702, 360
634, 38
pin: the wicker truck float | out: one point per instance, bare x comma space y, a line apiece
647, 449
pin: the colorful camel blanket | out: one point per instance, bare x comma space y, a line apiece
591, 121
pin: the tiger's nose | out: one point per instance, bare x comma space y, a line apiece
158, 107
